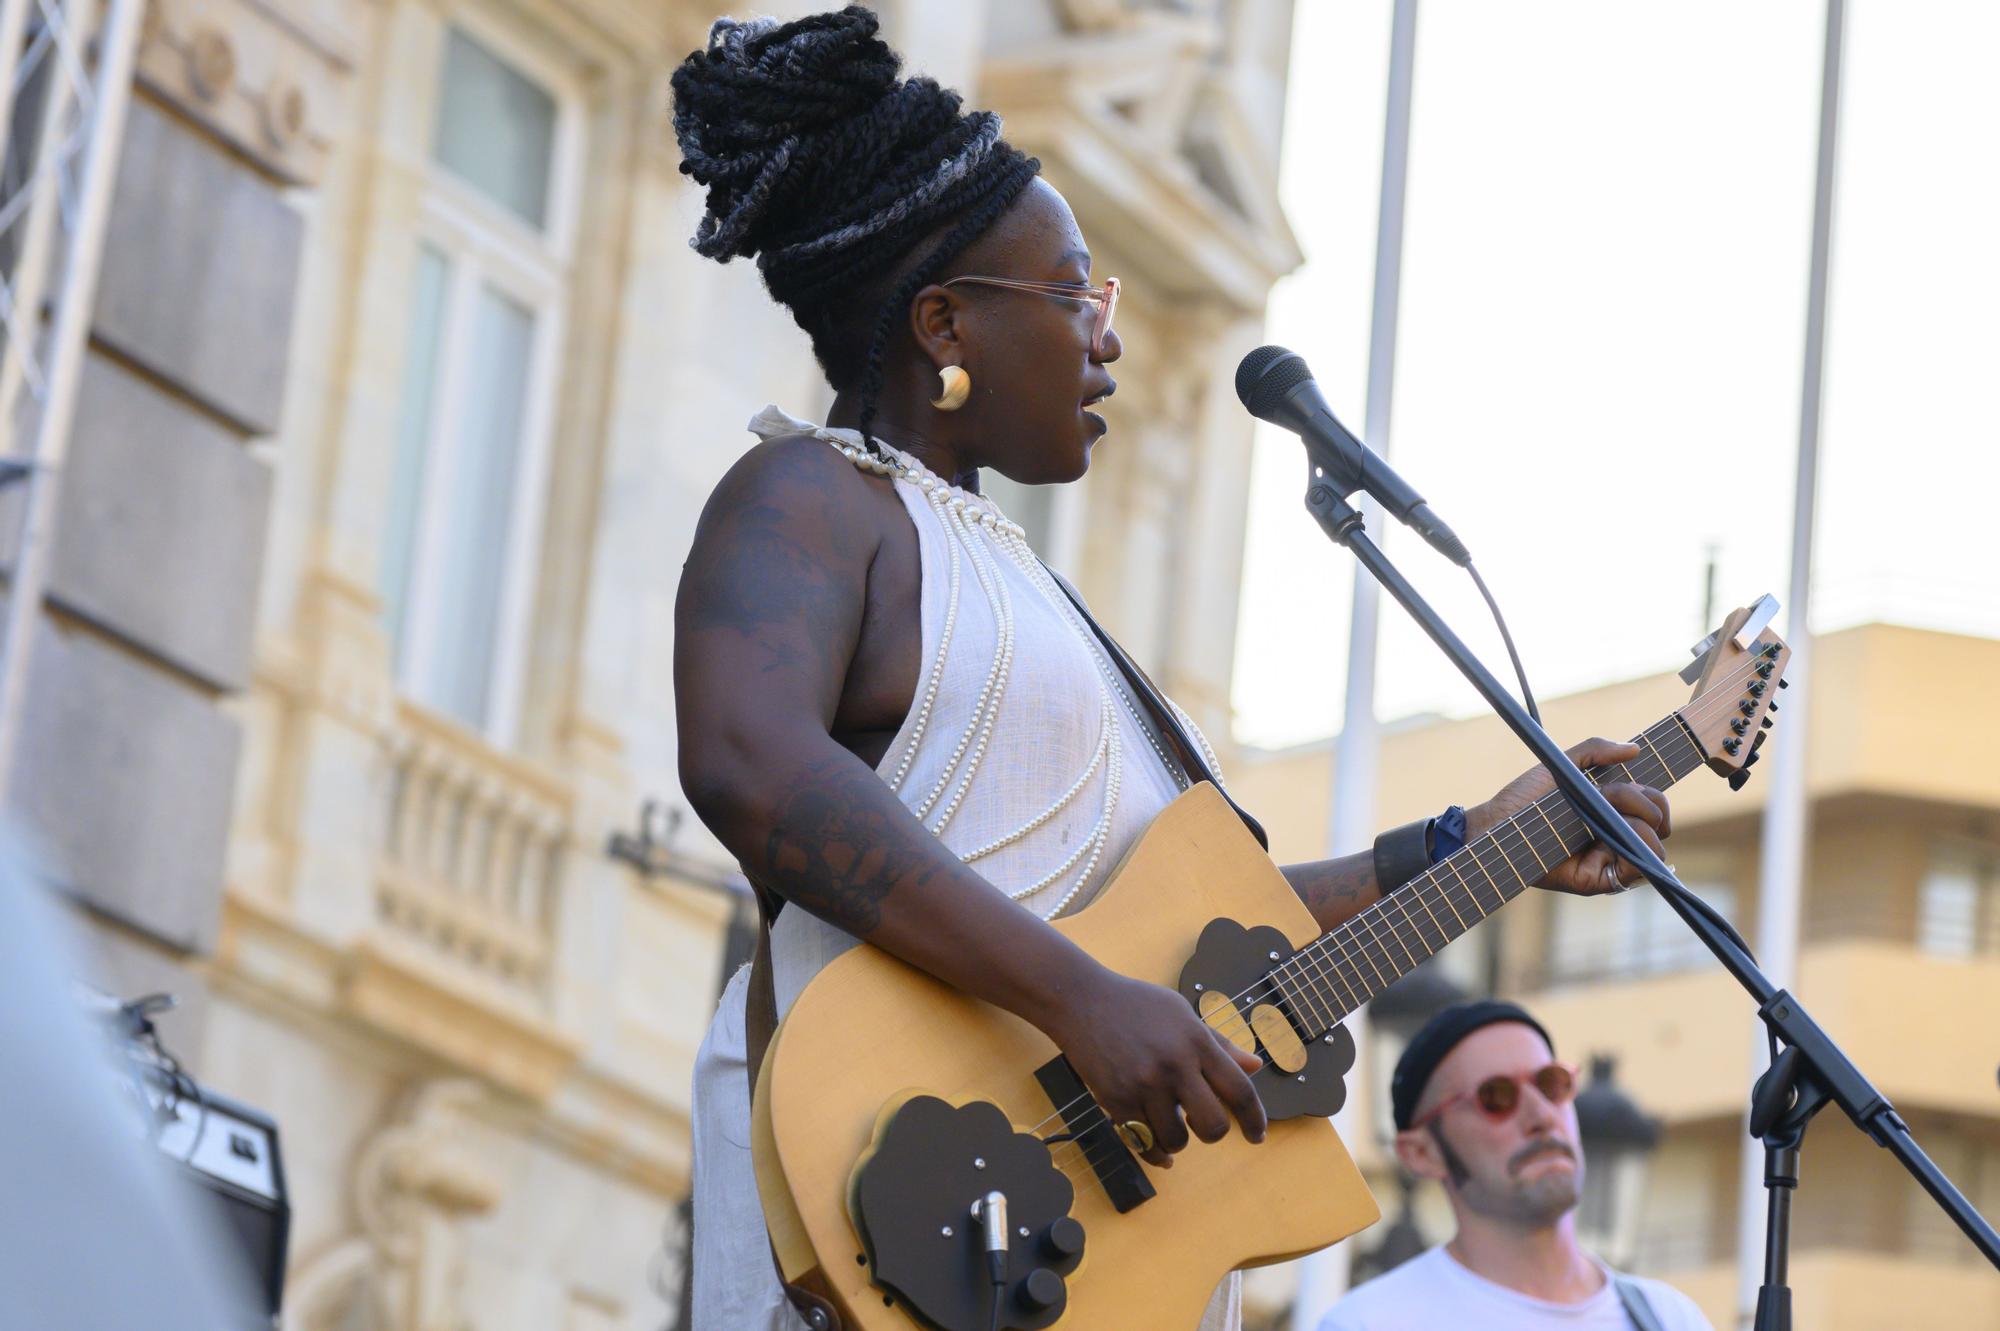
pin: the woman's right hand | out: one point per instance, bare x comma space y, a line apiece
1145, 1054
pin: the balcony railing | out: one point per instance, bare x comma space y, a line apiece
1611, 955
472, 862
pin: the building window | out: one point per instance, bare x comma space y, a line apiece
496, 129
462, 526
1633, 934
1958, 904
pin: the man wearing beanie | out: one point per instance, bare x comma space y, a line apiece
1482, 1105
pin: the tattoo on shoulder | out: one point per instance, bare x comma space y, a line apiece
834, 851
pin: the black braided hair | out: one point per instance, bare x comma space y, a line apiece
852, 189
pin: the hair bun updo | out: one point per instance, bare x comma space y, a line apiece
830, 170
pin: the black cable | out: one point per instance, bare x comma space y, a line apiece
1707, 912
1674, 889
1527, 697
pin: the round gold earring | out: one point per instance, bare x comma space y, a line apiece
957, 388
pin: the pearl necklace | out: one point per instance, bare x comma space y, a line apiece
976, 530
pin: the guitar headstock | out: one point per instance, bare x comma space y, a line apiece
1737, 673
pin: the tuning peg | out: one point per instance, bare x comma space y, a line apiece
1747, 707
1774, 705
1767, 723
1757, 689
1738, 778
1758, 742
1751, 761
1784, 683
1764, 671
1732, 747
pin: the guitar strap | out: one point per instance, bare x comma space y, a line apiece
1156, 716
1184, 761
1637, 1306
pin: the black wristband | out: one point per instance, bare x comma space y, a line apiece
1401, 853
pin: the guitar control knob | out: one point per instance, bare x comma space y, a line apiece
1063, 1239
1042, 1290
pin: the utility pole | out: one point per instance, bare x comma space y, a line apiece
1782, 855
1351, 820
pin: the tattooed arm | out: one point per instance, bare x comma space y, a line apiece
769, 617
1337, 889
772, 611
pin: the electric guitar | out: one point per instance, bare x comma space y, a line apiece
927, 1160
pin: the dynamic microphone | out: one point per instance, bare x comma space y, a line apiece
1275, 385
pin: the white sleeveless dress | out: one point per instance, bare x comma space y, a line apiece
1022, 752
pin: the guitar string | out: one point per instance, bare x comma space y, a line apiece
1316, 953
1082, 1153
1353, 928
1679, 737
1322, 952
1701, 711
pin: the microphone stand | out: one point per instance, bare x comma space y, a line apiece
1811, 1069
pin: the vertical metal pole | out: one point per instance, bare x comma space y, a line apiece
39, 231
13, 26
1351, 821
1782, 854
76, 296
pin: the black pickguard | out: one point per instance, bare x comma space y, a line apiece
1233, 960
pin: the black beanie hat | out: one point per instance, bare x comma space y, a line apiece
1439, 1036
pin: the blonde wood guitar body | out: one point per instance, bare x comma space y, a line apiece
869, 1031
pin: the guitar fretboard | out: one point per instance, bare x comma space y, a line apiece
1328, 979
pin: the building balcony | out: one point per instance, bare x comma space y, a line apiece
460, 942
1683, 1040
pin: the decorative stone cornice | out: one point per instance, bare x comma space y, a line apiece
1134, 118
267, 77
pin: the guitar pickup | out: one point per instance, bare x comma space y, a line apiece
1117, 1169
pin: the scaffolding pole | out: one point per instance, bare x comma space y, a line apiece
102, 101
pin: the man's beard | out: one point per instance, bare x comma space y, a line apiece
1534, 1203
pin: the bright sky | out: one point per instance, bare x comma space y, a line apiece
1603, 313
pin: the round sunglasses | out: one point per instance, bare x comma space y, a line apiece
1105, 298
1498, 1097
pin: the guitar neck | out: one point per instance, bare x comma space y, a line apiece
1331, 977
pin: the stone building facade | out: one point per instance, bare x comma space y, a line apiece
405, 394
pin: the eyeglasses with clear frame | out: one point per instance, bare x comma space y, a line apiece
1498, 1097
1104, 297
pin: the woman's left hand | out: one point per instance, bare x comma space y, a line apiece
1596, 868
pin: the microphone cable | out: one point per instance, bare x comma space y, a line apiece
1675, 890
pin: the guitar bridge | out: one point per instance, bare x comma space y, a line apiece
1118, 1170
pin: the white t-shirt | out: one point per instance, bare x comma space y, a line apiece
1433, 1291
